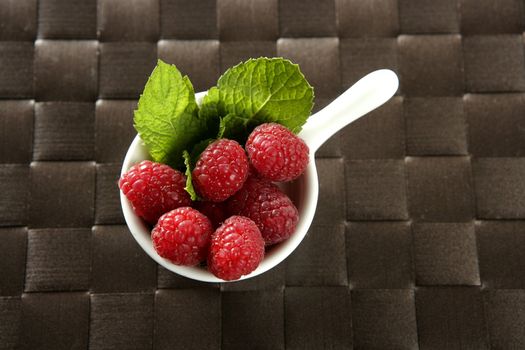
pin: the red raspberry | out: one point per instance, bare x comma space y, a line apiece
154, 189
271, 209
276, 153
236, 249
221, 170
215, 211
182, 236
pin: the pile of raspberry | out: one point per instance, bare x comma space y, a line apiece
241, 211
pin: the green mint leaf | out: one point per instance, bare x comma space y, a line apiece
167, 115
209, 112
264, 90
235, 128
222, 129
209, 108
197, 149
189, 184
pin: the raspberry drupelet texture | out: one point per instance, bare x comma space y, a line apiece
215, 211
276, 153
236, 248
271, 209
221, 170
154, 189
182, 236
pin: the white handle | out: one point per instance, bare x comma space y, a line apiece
364, 96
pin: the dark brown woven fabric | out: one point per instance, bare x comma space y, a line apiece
419, 236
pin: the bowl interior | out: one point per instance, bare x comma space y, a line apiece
303, 192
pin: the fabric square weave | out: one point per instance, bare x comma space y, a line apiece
74, 62
67, 19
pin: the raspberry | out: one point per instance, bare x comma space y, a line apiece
236, 248
221, 170
271, 209
215, 211
276, 153
182, 236
154, 189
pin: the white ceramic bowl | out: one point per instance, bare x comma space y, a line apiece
303, 190
366, 95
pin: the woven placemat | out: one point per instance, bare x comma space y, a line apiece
418, 240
